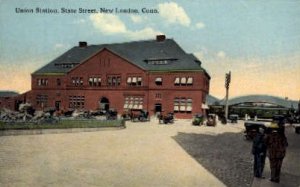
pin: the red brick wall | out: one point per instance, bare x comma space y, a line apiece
107, 63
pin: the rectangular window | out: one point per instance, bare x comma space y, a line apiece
134, 81
158, 81
58, 82
76, 102
95, 81
42, 100
77, 81
42, 82
190, 81
139, 81
177, 81
114, 80
183, 105
176, 104
183, 81
133, 102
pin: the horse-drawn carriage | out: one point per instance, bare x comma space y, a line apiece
139, 115
136, 115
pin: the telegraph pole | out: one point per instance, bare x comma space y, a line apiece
227, 82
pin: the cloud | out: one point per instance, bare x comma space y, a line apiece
221, 54
143, 34
111, 25
108, 24
136, 19
200, 25
59, 46
173, 14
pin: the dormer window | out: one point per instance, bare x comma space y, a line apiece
158, 62
155, 61
158, 81
66, 65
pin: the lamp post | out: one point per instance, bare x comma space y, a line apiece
227, 82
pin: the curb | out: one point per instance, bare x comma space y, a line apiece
56, 131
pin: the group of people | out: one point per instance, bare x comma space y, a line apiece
274, 144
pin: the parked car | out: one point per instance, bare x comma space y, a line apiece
198, 120
233, 118
111, 114
169, 118
251, 128
211, 120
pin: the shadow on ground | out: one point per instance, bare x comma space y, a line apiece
227, 156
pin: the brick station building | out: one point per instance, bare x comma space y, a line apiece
155, 75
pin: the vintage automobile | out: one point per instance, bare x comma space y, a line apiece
112, 114
251, 128
297, 128
279, 119
198, 120
169, 118
233, 118
211, 120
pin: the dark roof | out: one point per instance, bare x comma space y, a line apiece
211, 100
264, 99
138, 53
8, 93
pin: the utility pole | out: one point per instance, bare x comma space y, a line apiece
227, 82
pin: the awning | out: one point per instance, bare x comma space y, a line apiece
183, 80
158, 79
176, 108
182, 108
204, 106
177, 80
129, 80
189, 108
190, 80
134, 79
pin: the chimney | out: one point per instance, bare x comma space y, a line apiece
82, 44
160, 38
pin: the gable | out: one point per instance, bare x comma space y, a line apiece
104, 62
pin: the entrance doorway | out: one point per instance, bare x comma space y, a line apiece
57, 105
157, 108
104, 104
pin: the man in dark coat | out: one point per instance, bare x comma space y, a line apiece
259, 150
276, 144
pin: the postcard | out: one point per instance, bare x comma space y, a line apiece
202, 69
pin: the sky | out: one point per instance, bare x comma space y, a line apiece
258, 40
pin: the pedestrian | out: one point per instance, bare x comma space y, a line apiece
259, 150
276, 145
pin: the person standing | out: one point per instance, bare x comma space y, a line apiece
276, 145
259, 149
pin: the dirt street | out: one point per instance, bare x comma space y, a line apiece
143, 154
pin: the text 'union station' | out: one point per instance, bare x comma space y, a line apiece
155, 75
